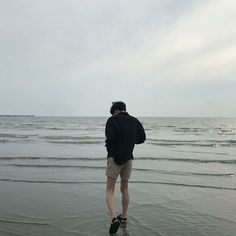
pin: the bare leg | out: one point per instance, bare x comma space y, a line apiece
125, 197
110, 196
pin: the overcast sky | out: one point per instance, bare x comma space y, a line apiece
74, 57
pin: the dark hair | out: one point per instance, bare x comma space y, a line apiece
120, 106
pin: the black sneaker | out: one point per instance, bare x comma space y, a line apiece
114, 226
122, 220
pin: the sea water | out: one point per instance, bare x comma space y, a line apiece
52, 177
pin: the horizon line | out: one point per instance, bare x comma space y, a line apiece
25, 115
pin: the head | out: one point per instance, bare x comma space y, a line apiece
117, 107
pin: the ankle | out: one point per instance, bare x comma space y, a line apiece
114, 219
122, 217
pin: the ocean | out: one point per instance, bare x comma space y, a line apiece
52, 177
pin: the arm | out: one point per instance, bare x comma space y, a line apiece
110, 134
141, 136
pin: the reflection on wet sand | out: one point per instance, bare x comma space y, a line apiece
123, 229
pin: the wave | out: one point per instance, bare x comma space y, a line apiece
200, 143
68, 139
185, 185
65, 137
132, 182
206, 152
52, 137
190, 160
134, 169
53, 158
4, 141
76, 142
14, 136
16, 141
54, 128
187, 173
55, 166
190, 130
216, 130
17, 138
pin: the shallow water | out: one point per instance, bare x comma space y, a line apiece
52, 177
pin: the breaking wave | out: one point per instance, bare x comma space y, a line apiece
199, 143
190, 160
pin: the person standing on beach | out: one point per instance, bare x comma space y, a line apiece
122, 132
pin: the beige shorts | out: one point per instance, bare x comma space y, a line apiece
113, 170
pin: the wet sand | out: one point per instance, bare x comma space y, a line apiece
80, 209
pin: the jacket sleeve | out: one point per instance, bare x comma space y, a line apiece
110, 134
141, 136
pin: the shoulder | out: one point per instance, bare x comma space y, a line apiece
134, 119
111, 120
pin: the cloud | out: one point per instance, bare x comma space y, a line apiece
84, 55
200, 43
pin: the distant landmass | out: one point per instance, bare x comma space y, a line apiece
17, 115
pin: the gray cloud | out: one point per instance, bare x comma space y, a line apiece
75, 57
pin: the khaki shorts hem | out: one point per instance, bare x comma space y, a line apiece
113, 170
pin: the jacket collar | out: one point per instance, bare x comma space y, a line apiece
123, 113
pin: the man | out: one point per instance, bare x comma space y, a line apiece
122, 133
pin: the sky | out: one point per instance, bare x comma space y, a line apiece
75, 57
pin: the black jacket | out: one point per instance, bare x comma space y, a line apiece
122, 133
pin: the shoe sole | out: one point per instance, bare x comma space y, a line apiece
114, 227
